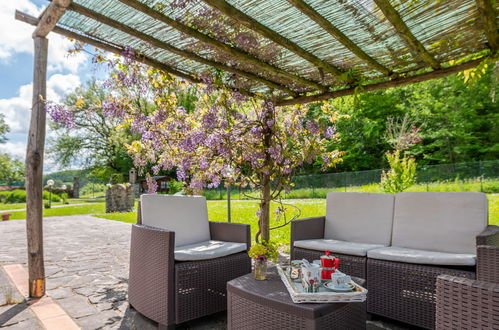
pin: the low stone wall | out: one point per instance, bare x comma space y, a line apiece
120, 198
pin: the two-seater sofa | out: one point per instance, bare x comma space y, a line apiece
400, 243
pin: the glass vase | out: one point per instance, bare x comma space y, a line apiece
260, 269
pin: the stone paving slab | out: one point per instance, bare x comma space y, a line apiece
86, 260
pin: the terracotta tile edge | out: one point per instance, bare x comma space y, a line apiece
47, 311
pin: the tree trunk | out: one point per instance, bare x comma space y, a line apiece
264, 222
265, 210
34, 172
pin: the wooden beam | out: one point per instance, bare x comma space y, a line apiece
50, 17
338, 35
403, 31
382, 85
34, 172
163, 45
488, 14
117, 49
254, 25
105, 46
235, 52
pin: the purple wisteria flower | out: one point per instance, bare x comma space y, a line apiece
60, 115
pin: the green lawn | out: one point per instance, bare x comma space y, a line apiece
243, 211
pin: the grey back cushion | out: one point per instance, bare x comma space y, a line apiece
439, 221
359, 217
187, 216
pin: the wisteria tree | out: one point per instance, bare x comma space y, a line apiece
226, 138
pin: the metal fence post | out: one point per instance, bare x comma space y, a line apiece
480, 174
228, 204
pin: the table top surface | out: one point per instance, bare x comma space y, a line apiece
273, 292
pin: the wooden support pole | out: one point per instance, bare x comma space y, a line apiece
34, 172
338, 35
117, 49
488, 14
403, 31
163, 45
382, 85
229, 10
50, 17
233, 51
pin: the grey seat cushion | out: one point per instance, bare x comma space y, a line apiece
359, 217
350, 248
439, 221
414, 256
187, 216
207, 250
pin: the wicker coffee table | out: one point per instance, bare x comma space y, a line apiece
266, 304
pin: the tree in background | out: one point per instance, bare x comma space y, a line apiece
4, 129
460, 122
401, 135
11, 169
87, 138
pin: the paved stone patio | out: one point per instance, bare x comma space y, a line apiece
86, 263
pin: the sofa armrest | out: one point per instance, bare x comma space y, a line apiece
151, 283
308, 228
230, 232
490, 236
466, 304
487, 267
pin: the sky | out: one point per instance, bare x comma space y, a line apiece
65, 72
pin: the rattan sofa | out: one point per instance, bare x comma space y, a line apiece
354, 224
432, 234
180, 262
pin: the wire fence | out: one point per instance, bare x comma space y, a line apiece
480, 176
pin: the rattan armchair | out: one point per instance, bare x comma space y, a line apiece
170, 291
472, 304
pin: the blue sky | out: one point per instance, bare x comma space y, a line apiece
64, 72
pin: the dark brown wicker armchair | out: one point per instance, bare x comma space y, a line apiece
472, 304
171, 291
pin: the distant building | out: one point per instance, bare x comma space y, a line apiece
162, 180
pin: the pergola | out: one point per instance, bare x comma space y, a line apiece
320, 50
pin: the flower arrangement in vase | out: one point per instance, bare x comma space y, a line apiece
261, 253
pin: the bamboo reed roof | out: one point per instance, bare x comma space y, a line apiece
295, 50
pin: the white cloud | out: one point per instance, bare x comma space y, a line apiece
16, 149
17, 110
15, 38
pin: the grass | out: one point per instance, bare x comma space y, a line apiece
21, 206
244, 211
488, 186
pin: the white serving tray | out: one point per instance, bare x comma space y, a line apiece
324, 295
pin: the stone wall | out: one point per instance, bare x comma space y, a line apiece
120, 198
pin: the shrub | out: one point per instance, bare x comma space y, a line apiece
116, 178
175, 186
90, 188
400, 176
55, 197
16, 196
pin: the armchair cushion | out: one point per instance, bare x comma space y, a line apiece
207, 250
359, 217
439, 221
350, 248
414, 256
187, 216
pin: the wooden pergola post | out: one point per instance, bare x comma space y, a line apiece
35, 149
34, 171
